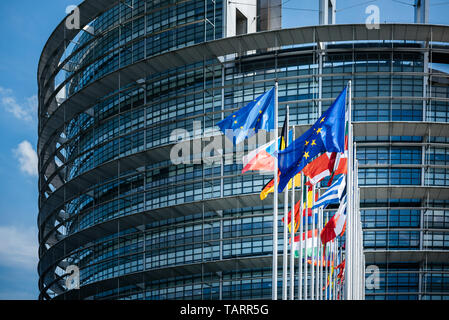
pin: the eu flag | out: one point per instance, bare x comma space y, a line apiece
327, 134
245, 122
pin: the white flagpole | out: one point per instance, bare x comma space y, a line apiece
301, 222
274, 279
326, 297
285, 231
306, 234
349, 239
334, 277
337, 270
356, 232
292, 235
312, 277
318, 257
359, 242
320, 283
329, 287
343, 274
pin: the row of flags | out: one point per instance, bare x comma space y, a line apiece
321, 152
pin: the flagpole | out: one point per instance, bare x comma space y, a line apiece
343, 273
301, 222
320, 282
334, 282
306, 235
356, 234
331, 278
285, 231
312, 276
349, 239
318, 256
326, 297
337, 286
359, 243
275, 200
292, 234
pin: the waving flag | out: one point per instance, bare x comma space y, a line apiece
320, 168
328, 281
269, 187
245, 122
309, 210
313, 246
262, 159
341, 161
336, 225
327, 134
340, 166
312, 243
333, 194
341, 266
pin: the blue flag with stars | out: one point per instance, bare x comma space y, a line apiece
326, 135
247, 121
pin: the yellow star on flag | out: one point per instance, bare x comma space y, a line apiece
318, 131
306, 155
322, 119
307, 143
313, 143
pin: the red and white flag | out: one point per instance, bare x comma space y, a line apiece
320, 168
336, 225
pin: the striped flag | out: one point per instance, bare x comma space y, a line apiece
269, 187
333, 194
312, 243
313, 246
309, 204
320, 168
262, 158
335, 226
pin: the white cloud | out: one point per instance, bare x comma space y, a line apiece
27, 110
18, 247
27, 157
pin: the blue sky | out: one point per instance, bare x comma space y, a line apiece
26, 25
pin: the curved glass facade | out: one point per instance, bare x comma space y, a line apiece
140, 227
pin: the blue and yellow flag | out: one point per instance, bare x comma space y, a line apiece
245, 122
327, 134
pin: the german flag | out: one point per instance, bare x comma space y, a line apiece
269, 187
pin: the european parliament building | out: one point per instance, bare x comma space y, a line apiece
117, 78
